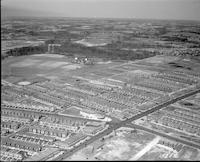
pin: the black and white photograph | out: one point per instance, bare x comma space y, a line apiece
100, 80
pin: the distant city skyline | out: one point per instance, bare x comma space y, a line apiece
145, 9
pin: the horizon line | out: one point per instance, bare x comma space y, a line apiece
79, 17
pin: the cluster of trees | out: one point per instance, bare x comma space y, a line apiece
26, 50
103, 52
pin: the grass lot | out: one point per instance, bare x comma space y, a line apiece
52, 67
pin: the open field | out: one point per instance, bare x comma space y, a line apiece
100, 89
120, 146
48, 65
162, 152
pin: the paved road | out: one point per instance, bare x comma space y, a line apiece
165, 135
155, 108
123, 123
50, 156
84, 144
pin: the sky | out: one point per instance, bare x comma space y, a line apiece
146, 9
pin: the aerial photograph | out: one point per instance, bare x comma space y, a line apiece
100, 80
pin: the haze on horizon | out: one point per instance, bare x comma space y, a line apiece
145, 9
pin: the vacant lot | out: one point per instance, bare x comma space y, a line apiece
125, 145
